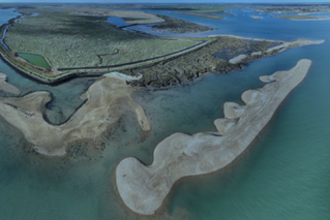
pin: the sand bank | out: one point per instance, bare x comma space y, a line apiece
106, 100
6, 87
237, 59
143, 188
295, 43
256, 17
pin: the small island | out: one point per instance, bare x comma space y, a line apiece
256, 17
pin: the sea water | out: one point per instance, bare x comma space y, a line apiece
284, 174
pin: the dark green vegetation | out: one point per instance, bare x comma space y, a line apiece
214, 8
210, 58
79, 41
176, 25
204, 15
35, 59
83, 42
200, 10
296, 9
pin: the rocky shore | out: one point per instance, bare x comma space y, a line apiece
144, 188
105, 102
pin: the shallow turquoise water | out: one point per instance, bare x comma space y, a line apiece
283, 175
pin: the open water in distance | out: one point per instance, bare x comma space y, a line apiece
283, 175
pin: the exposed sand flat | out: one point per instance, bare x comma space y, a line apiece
143, 188
237, 59
259, 53
106, 100
124, 76
6, 87
256, 17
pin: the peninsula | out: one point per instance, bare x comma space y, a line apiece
144, 188
96, 46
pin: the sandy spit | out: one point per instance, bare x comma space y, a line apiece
143, 188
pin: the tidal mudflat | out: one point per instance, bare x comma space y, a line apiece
282, 175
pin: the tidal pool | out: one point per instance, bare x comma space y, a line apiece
35, 59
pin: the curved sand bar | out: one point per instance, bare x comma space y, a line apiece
6, 87
143, 188
106, 100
